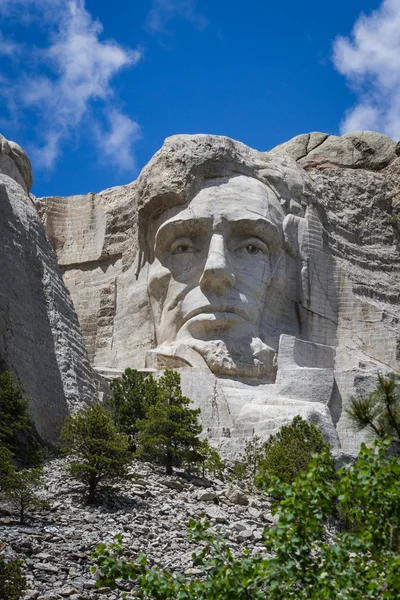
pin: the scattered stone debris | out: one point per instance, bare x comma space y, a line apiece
151, 513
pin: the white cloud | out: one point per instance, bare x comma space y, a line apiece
164, 11
69, 84
370, 60
118, 140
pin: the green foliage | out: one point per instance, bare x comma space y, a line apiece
100, 455
168, 434
302, 562
7, 467
20, 489
245, 470
211, 461
12, 582
132, 395
288, 452
380, 411
17, 431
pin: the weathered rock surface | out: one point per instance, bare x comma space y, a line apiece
55, 545
40, 338
336, 298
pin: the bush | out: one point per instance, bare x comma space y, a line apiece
287, 453
131, 396
380, 411
100, 455
12, 582
301, 561
169, 432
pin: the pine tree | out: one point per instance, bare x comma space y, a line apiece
17, 430
131, 396
100, 455
169, 432
380, 411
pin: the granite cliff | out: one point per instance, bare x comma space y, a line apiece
330, 318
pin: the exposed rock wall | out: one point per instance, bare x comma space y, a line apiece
40, 338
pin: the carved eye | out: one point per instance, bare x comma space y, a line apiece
253, 249
182, 247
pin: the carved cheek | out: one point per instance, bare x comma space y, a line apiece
158, 281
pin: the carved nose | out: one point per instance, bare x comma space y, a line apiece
216, 273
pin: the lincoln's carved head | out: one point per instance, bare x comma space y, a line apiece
220, 272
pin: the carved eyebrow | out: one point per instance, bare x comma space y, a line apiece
180, 228
260, 227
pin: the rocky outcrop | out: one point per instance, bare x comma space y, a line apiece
40, 338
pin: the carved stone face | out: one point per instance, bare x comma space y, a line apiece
215, 261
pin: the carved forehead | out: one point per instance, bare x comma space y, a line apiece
236, 198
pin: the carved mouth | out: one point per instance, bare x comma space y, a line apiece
209, 310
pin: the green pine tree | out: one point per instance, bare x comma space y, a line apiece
20, 489
131, 396
380, 411
12, 583
100, 454
17, 430
169, 432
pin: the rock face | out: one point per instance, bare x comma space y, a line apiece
269, 279
40, 338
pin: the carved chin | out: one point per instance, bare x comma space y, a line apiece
214, 354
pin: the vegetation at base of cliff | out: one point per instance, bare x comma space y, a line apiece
12, 583
163, 427
379, 412
17, 430
289, 452
169, 432
100, 455
19, 447
132, 394
305, 556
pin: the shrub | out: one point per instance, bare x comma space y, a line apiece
100, 455
12, 582
301, 561
169, 432
289, 451
17, 430
380, 411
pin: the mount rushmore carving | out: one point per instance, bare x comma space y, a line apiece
269, 279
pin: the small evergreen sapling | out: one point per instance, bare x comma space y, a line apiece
12, 582
20, 489
100, 455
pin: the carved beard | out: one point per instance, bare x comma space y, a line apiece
219, 358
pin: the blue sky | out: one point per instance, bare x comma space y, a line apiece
90, 89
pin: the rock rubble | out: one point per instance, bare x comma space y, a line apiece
151, 513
